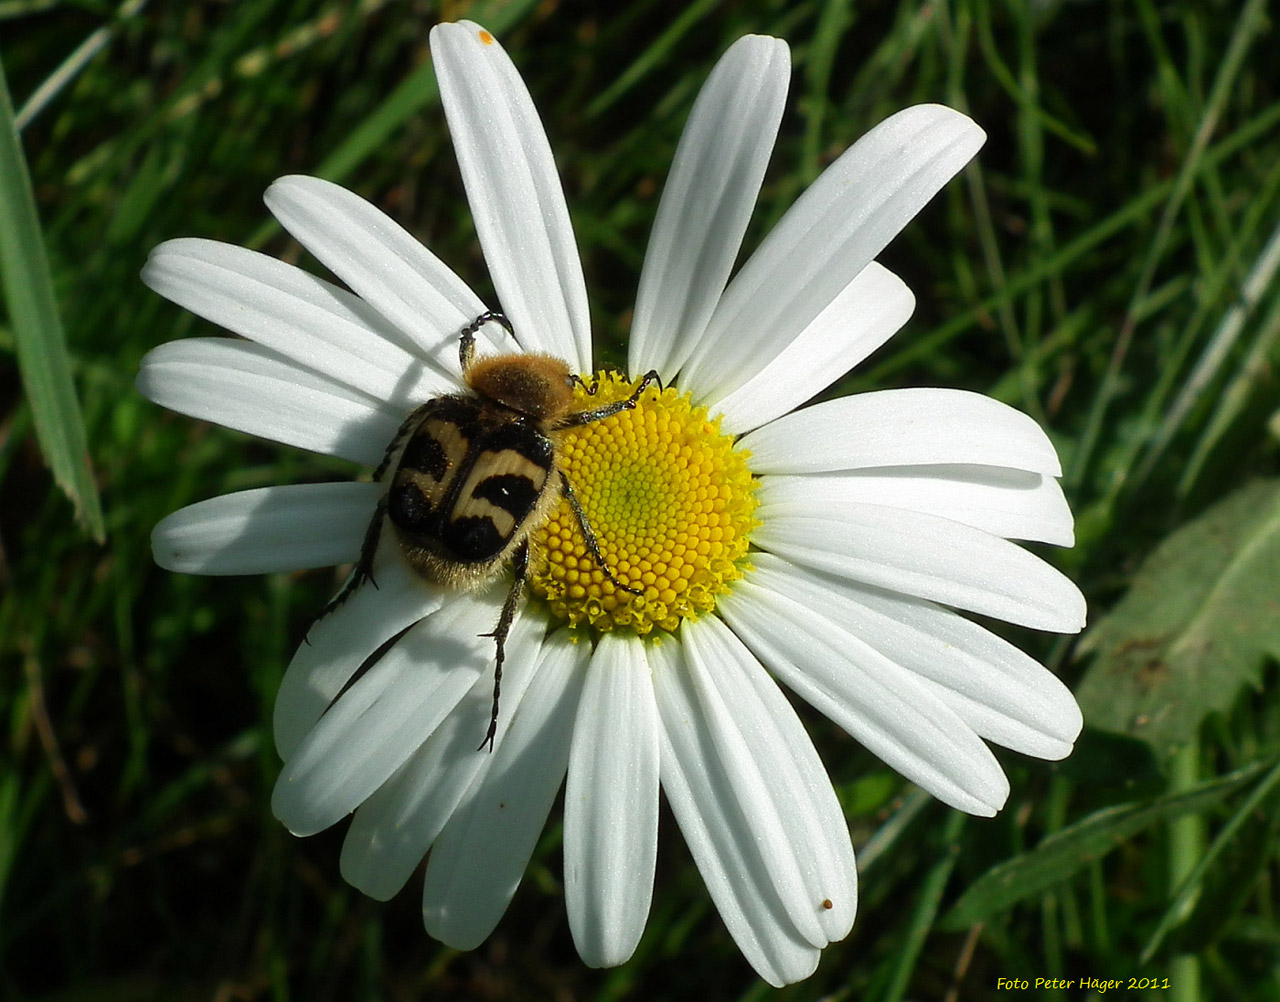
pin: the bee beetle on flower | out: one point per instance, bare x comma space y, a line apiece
476, 474
679, 547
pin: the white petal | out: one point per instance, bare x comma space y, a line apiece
395, 826
296, 315
611, 805
910, 427
786, 797
268, 530
707, 201
833, 231
514, 192
928, 557
884, 707
866, 313
1009, 503
247, 387
478, 861
1001, 693
719, 836
341, 641
385, 715
382, 263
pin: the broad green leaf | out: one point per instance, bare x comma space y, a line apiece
37, 330
1202, 615
1068, 851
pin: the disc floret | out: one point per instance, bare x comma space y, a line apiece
670, 501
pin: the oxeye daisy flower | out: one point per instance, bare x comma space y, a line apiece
742, 539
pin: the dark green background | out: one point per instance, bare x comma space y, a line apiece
1080, 272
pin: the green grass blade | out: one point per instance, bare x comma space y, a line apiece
1133, 213
928, 900
651, 57
37, 330
1248, 26
71, 67
1202, 861
1186, 844
833, 22
1232, 401
1066, 852
1215, 290
414, 92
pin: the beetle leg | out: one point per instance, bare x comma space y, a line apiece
589, 534
576, 380
609, 410
467, 336
364, 566
363, 570
499, 635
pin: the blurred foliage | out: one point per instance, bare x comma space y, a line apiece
1103, 267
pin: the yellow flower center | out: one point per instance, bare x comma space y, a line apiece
670, 502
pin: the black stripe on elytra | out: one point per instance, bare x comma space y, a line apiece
424, 453
517, 436
470, 538
410, 510
473, 538
462, 411
423, 450
522, 438
512, 492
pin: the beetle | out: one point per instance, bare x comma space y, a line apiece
475, 473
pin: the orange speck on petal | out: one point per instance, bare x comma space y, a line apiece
486, 37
